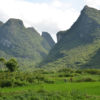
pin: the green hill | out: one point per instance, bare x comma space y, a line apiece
23, 43
80, 45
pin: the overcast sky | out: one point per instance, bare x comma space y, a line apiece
45, 15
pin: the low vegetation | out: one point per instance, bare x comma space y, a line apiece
43, 84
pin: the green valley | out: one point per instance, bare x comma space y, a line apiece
34, 67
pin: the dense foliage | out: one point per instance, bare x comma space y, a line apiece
12, 65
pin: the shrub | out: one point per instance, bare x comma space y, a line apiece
49, 81
12, 65
66, 75
6, 83
42, 91
88, 79
69, 75
66, 70
30, 80
19, 83
92, 71
79, 71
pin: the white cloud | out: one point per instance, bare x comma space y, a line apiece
52, 17
93, 3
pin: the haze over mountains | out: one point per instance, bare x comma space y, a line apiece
25, 44
80, 45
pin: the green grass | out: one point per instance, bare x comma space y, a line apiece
51, 85
91, 88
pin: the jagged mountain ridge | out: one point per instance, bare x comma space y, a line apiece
20, 42
48, 38
78, 46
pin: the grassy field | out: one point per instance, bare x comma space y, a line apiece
44, 85
91, 88
87, 89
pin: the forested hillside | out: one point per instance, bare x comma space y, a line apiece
22, 43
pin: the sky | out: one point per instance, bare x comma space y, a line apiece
45, 15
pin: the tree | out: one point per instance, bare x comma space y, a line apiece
12, 65
2, 60
2, 63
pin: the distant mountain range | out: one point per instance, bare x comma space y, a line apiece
25, 44
78, 47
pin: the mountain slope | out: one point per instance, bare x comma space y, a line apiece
23, 43
48, 38
78, 46
1, 23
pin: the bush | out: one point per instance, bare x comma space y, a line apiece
79, 71
30, 80
49, 81
66, 70
12, 65
19, 83
66, 75
88, 79
92, 71
6, 83
42, 91
69, 75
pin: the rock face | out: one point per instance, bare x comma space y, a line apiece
25, 44
85, 24
59, 36
15, 22
48, 38
80, 45
1, 23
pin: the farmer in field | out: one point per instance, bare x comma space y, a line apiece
71, 79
